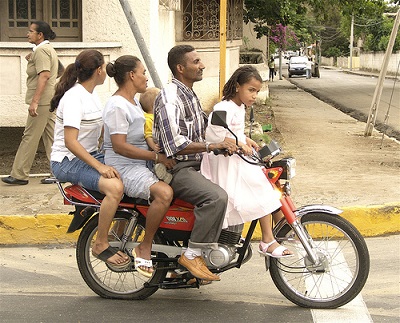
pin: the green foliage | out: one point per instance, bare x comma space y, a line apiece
261, 139
326, 20
333, 52
295, 15
376, 35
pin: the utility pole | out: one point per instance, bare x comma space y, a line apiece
351, 41
373, 112
141, 43
222, 46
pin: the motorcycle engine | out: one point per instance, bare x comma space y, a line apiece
226, 251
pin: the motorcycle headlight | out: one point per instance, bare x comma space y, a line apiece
288, 165
291, 168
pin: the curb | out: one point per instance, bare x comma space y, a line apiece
371, 221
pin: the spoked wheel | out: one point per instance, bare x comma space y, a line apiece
342, 269
103, 280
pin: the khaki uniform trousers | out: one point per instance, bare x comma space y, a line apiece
41, 126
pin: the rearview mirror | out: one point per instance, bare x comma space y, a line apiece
219, 119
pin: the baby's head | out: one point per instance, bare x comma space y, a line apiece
147, 99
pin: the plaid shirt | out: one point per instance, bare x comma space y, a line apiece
178, 120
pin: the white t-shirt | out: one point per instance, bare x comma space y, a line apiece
82, 110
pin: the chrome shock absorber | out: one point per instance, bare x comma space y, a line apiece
128, 231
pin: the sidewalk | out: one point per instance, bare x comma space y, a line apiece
360, 72
336, 165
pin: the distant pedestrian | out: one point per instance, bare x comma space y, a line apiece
271, 66
42, 71
308, 68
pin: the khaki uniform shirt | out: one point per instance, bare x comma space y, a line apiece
44, 58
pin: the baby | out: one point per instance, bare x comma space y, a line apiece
146, 101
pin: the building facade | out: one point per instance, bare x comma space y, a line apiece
102, 25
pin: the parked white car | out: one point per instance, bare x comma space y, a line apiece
297, 65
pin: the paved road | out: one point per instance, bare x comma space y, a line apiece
44, 285
353, 94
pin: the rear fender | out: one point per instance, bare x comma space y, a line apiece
81, 216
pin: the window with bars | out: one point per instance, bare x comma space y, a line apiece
64, 17
201, 19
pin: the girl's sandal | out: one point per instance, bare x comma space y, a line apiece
278, 252
140, 262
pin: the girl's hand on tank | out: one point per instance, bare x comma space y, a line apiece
250, 142
247, 150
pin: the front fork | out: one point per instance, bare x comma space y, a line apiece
293, 218
288, 210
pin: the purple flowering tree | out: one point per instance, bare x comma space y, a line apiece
283, 37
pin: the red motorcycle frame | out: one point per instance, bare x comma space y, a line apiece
329, 268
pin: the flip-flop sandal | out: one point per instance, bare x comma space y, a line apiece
138, 262
108, 253
276, 253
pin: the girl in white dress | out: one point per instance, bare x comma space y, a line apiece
250, 194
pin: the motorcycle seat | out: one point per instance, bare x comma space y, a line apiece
126, 199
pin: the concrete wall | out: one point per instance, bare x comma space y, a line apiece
252, 42
367, 62
373, 62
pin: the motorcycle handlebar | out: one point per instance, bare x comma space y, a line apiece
255, 160
218, 151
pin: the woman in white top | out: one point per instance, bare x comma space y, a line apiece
127, 151
75, 157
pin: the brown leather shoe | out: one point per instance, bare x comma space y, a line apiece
198, 268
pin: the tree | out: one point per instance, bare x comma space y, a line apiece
283, 37
325, 20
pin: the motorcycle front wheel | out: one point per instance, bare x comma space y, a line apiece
101, 278
341, 272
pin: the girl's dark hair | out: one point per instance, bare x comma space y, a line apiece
177, 56
44, 28
241, 76
121, 66
85, 65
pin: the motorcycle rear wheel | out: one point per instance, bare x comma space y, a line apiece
340, 277
104, 281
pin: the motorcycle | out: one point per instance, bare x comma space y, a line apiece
329, 267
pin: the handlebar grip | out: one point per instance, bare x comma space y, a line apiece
218, 151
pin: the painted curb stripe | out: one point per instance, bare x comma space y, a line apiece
51, 228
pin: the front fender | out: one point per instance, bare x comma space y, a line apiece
317, 208
299, 213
